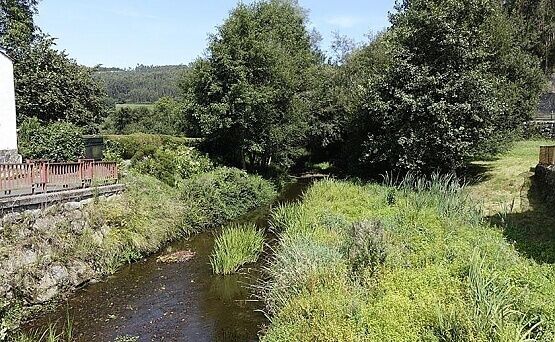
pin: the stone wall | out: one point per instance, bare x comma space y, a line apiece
545, 178
9, 157
40, 255
545, 129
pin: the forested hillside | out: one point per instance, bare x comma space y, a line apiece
142, 84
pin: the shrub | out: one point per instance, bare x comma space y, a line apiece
173, 165
138, 145
226, 193
59, 141
236, 246
365, 246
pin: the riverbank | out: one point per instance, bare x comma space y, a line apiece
407, 263
146, 217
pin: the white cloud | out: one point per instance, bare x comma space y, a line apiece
344, 21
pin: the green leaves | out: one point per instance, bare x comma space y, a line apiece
456, 77
247, 96
58, 141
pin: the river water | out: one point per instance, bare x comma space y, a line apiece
171, 301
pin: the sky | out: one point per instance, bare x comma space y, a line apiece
124, 33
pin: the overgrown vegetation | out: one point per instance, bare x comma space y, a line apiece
138, 145
58, 141
432, 269
225, 193
236, 246
162, 117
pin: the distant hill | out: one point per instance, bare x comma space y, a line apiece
142, 84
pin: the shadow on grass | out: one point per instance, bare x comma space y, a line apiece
475, 173
533, 229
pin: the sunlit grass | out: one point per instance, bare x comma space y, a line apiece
442, 272
500, 182
235, 247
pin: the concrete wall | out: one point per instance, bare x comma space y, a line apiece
8, 131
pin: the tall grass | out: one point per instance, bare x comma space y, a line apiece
408, 261
236, 246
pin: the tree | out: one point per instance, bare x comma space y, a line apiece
247, 97
457, 82
48, 84
535, 20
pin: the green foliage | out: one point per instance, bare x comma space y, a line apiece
58, 141
535, 20
446, 275
48, 84
163, 117
235, 247
172, 165
366, 248
247, 96
226, 193
142, 84
454, 75
138, 145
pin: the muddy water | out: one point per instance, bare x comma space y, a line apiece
171, 302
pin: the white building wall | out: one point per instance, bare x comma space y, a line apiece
8, 130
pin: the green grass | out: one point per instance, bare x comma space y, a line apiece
135, 105
415, 262
235, 247
499, 183
511, 198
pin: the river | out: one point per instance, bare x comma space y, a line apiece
172, 301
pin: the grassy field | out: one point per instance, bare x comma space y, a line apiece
134, 105
415, 262
502, 183
506, 190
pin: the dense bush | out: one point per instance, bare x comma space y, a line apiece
436, 102
445, 275
248, 95
163, 117
59, 141
172, 165
138, 145
236, 246
226, 193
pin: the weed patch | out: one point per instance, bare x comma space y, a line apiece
235, 247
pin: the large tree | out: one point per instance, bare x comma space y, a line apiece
458, 80
248, 96
536, 21
48, 84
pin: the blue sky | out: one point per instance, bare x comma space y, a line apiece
124, 33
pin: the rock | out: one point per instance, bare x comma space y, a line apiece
70, 206
11, 218
43, 224
46, 290
79, 273
59, 274
28, 257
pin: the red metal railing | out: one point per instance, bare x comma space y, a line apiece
41, 176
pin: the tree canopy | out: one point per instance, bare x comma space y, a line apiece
49, 85
248, 96
455, 82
